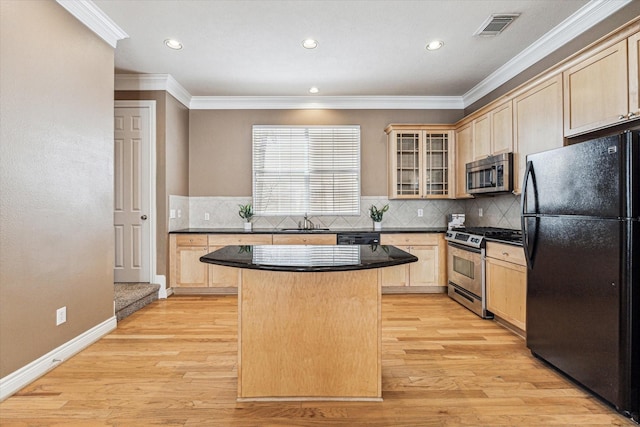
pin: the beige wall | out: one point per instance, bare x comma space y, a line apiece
220, 143
172, 160
56, 173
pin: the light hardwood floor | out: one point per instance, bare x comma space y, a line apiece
174, 363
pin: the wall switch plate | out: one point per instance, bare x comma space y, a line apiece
420, 213
172, 213
480, 213
206, 216
61, 316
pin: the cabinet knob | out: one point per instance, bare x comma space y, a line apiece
622, 117
631, 114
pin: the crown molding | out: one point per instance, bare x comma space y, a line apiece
326, 102
583, 19
95, 19
164, 82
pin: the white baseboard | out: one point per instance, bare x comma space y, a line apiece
34, 370
161, 280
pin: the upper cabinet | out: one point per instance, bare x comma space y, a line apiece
464, 155
420, 161
537, 119
633, 44
493, 132
601, 90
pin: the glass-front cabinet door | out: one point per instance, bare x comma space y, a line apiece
408, 163
420, 159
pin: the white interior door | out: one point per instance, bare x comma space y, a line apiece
132, 189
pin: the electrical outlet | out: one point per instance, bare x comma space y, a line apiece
61, 316
206, 216
420, 213
179, 213
480, 213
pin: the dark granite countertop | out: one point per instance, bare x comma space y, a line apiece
294, 231
309, 258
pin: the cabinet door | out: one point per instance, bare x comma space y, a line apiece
634, 75
596, 90
405, 164
221, 276
190, 272
437, 164
395, 276
507, 291
502, 129
537, 120
482, 137
425, 271
464, 155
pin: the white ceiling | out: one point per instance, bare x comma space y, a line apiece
366, 47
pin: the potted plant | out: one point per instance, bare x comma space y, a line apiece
376, 215
246, 213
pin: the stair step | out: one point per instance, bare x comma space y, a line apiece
131, 297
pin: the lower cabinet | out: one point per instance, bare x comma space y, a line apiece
429, 274
186, 268
506, 275
189, 275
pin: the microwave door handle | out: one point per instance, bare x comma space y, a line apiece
492, 176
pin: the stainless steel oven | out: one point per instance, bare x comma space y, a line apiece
465, 270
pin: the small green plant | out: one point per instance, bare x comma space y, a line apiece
246, 212
376, 214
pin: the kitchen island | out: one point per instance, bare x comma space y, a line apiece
309, 319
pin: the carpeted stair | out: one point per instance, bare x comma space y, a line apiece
131, 297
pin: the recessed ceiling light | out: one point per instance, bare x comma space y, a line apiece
314, 90
435, 45
173, 44
310, 44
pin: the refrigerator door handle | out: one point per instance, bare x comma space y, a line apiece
526, 243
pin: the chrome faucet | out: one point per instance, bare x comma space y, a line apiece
306, 224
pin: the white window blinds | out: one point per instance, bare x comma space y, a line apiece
312, 170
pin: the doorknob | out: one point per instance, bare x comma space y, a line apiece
143, 217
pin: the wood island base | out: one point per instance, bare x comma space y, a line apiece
309, 336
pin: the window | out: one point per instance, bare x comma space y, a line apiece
312, 170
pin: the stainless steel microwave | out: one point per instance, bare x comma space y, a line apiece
491, 175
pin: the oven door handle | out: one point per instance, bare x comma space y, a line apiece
464, 248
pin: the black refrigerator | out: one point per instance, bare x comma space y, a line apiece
581, 227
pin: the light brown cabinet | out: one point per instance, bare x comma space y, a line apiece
493, 132
464, 155
633, 45
221, 276
601, 90
420, 161
506, 276
537, 120
428, 274
186, 268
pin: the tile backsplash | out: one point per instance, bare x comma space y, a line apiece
500, 211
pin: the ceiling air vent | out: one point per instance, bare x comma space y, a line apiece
495, 24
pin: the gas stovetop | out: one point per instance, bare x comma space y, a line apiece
475, 236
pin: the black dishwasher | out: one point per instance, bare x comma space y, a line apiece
359, 238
